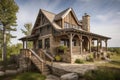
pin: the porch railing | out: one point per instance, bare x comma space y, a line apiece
40, 55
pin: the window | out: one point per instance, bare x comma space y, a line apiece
66, 25
64, 42
40, 43
74, 42
47, 43
48, 27
40, 30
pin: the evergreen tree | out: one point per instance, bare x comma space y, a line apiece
8, 10
27, 32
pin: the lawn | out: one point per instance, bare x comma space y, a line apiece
114, 63
106, 71
24, 76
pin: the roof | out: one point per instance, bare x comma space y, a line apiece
63, 14
50, 16
84, 32
29, 37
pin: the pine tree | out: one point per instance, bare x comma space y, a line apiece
8, 10
27, 32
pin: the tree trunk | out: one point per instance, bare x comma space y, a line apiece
4, 48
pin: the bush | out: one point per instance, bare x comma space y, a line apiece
90, 58
108, 55
58, 58
80, 61
62, 48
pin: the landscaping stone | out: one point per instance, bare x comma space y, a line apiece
2, 73
69, 76
52, 77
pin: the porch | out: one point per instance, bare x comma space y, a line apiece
79, 43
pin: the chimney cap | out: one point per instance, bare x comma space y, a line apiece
86, 14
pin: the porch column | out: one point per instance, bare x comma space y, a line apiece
70, 44
106, 45
80, 42
26, 44
97, 45
90, 40
81, 46
43, 43
23, 44
100, 45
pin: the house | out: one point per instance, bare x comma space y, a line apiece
53, 30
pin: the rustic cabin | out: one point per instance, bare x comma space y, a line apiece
63, 36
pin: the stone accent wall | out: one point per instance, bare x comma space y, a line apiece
66, 57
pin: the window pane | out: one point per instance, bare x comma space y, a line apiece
40, 44
47, 43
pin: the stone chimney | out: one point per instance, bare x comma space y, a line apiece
86, 22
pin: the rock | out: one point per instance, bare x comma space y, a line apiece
52, 77
2, 73
69, 76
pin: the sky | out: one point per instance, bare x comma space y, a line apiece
104, 15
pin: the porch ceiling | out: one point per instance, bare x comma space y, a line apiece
29, 37
82, 33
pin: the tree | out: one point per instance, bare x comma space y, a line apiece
27, 32
8, 10
28, 29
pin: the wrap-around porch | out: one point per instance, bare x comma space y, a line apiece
78, 42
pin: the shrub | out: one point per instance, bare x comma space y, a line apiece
62, 48
108, 55
58, 58
80, 61
90, 58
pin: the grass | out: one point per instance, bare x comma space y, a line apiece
24, 76
106, 71
114, 63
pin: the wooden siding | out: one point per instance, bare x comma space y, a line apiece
59, 22
70, 19
45, 30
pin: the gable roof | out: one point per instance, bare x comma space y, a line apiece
50, 16
64, 13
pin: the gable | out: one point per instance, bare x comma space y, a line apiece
70, 18
41, 20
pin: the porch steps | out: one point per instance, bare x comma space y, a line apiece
38, 59
43, 68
